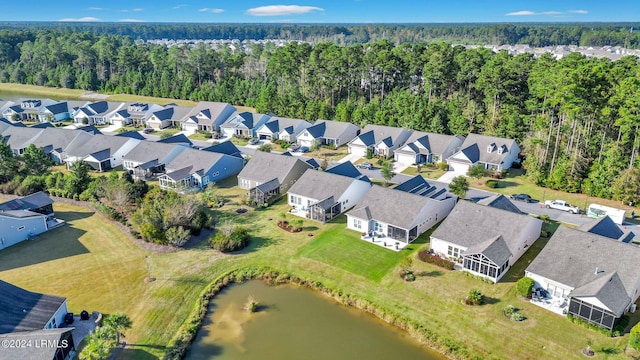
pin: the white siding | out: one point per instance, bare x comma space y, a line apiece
544, 283
528, 235
440, 246
433, 212
354, 194
407, 159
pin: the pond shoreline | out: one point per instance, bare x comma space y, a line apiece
179, 345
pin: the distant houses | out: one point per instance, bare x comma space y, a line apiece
492, 152
378, 140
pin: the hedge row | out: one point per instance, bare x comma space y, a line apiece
425, 256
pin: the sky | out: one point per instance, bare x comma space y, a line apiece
327, 11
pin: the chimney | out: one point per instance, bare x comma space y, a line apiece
597, 270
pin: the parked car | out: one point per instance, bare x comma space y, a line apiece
217, 135
521, 197
294, 147
365, 165
253, 141
303, 149
561, 205
148, 130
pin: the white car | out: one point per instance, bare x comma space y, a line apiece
561, 205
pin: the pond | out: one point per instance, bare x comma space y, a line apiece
296, 323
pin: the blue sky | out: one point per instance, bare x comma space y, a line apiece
327, 11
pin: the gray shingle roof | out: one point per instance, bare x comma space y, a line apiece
393, 207
500, 201
469, 224
380, 132
29, 202
609, 289
475, 148
320, 185
434, 143
22, 310
333, 129
495, 249
216, 112
36, 338
603, 226
95, 144
199, 160
150, 150
571, 257
347, 169
265, 166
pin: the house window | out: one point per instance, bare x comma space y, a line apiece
489, 148
500, 149
378, 227
453, 251
21, 228
357, 223
295, 200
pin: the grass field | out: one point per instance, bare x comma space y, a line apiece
426, 172
329, 154
74, 94
98, 267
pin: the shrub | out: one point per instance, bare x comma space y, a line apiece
297, 224
524, 286
207, 135
264, 147
474, 297
512, 313
237, 240
177, 236
443, 166
492, 183
588, 325
634, 337
425, 256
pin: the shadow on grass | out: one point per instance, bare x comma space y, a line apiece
256, 243
490, 300
434, 273
73, 215
135, 354
311, 228
55, 244
610, 351
505, 184
517, 270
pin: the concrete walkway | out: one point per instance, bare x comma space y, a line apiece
111, 128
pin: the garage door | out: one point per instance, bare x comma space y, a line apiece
407, 159
459, 168
358, 150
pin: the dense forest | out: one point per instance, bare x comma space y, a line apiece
534, 34
577, 118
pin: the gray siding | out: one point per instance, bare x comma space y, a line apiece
9, 233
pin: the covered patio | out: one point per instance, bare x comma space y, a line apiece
383, 241
262, 193
324, 210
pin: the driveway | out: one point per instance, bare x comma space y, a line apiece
350, 157
111, 128
449, 175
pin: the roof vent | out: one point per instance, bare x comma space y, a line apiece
597, 271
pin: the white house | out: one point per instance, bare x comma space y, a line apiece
281, 128
485, 240
589, 276
397, 215
321, 196
168, 116
424, 147
101, 152
381, 140
243, 124
330, 133
148, 159
207, 116
493, 152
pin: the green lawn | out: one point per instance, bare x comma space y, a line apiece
98, 267
426, 172
199, 136
356, 256
329, 153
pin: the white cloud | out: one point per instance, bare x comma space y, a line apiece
578, 11
551, 13
521, 13
281, 10
180, 6
137, 9
131, 20
95, 8
212, 10
82, 19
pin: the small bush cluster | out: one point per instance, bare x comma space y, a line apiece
425, 256
236, 240
492, 183
634, 337
524, 287
513, 313
443, 166
618, 330
478, 277
474, 297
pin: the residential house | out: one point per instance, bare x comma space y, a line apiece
22, 310
192, 170
243, 124
604, 226
34, 320
97, 113
134, 113
169, 116
101, 152
493, 152
148, 159
397, 216
485, 240
321, 196
23, 218
19, 138
279, 128
55, 112
177, 139
347, 169
131, 134
26, 109
330, 133
207, 116
268, 175
379, 140
424, 147
54, 140
589, 276
42, 125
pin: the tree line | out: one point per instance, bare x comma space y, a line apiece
534, 34
577, 117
